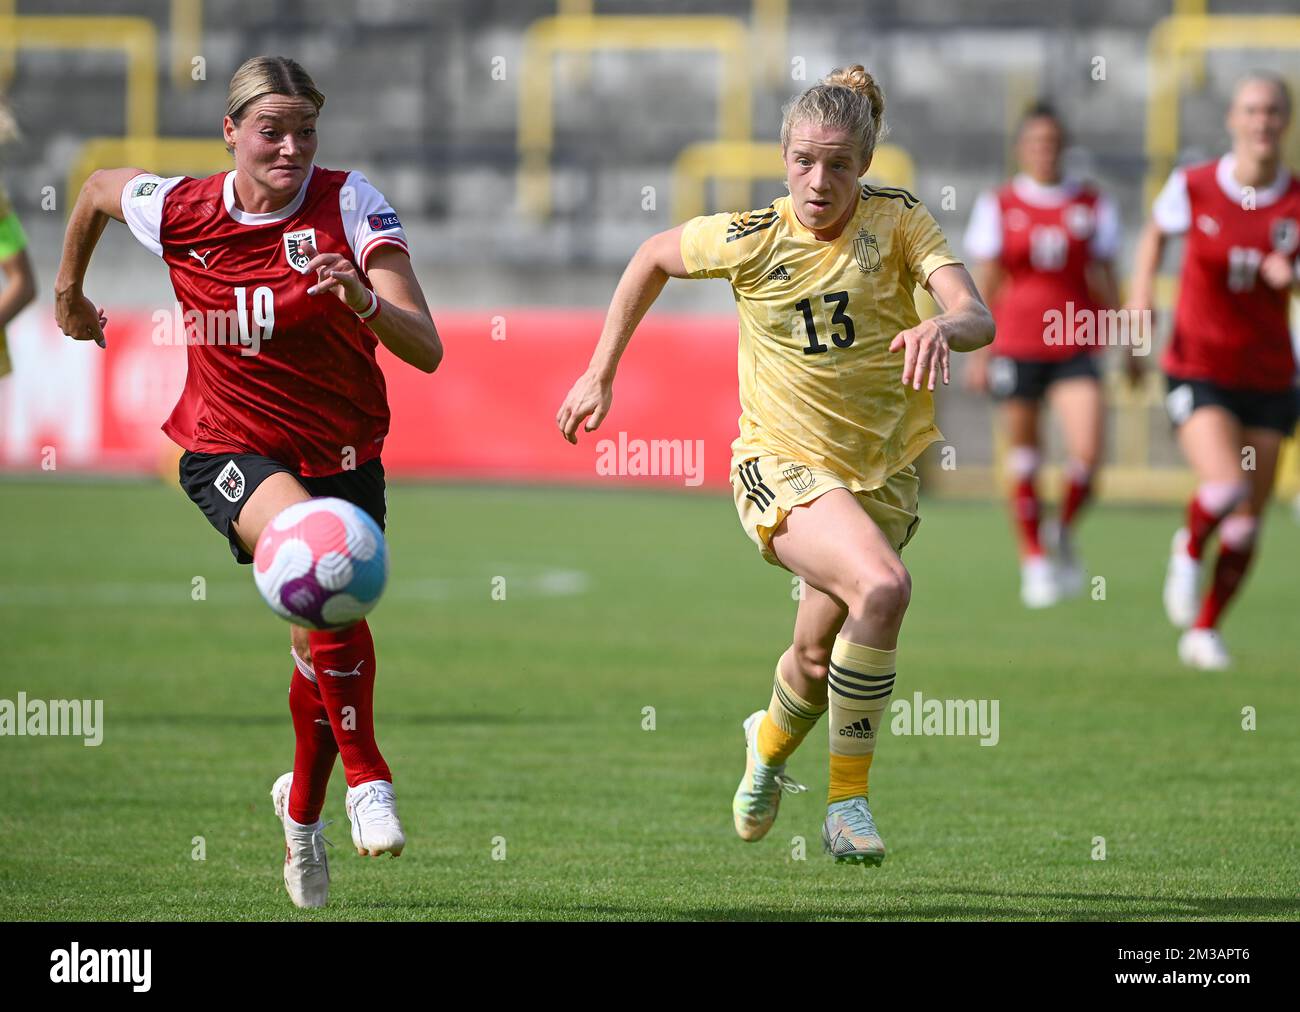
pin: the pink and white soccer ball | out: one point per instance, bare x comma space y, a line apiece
321, 563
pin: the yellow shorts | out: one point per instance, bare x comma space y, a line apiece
767, 488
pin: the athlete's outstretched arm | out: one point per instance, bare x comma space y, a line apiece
658, 259
100, 199
401, 319
964, 325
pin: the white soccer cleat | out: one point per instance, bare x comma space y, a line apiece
372, 810
1038, 582
1182, 582
1203, 649
306, 867
1066, 565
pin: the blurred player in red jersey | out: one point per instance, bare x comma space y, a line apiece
1042, 245
288, 275
1229, 362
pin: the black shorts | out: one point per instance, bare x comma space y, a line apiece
220, 484
1029, 379
1255, 409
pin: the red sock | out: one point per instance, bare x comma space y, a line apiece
344, 660
1229, 569
1025, 506
1077, 493
314, 750
1200, 525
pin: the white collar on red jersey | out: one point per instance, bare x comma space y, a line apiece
269, 217
1039, 194
1223, 173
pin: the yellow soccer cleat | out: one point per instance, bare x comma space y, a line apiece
758, 797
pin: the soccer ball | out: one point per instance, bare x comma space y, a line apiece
321, 563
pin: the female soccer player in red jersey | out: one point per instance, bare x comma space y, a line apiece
1229, 362
836, 373
313, 264
1043, 247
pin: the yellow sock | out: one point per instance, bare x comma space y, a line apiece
860, 682
788, 720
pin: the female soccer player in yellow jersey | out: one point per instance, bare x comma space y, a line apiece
836, 370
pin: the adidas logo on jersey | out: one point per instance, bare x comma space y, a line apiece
858, 729
778, 273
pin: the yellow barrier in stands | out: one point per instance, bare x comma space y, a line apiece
135, 37
164, 155
544, 38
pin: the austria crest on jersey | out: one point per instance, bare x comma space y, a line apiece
1285, 236
293, 248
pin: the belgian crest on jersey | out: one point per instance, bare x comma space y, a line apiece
800, 477
293, 248
1285, 236
866, 251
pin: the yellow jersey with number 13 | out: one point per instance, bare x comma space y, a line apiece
818, 383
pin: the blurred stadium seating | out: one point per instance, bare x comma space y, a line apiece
530, 145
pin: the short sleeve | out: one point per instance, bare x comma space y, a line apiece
1106, 237
1172, 209
142, 207
368, 220
13, 240
713, 248
983, 240
924, 244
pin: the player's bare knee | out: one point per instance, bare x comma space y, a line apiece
1238, 531
881, 593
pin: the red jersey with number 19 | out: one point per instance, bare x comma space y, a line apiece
272, 370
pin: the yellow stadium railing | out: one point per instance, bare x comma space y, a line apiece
187, 40
8, 50
163, 155
770, 20
549, 36
135, 37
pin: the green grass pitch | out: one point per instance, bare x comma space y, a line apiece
521, 720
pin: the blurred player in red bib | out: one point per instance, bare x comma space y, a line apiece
1043, 247
287, 275
1229, 363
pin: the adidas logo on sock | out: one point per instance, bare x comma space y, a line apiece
858, 729
778, 273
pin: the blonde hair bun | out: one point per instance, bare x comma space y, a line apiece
861, 112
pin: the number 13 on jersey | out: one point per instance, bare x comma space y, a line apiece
842, 337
